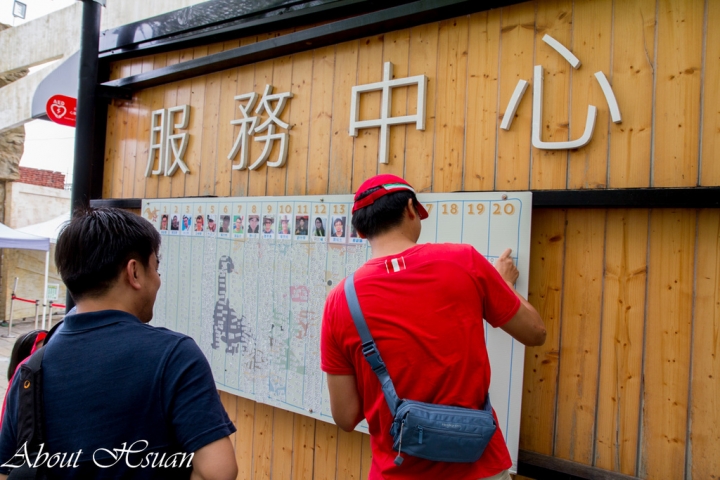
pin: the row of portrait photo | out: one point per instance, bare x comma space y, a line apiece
263, 221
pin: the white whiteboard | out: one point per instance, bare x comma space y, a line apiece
254, 302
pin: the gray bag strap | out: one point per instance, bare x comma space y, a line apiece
369, 349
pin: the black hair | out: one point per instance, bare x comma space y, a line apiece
21, 350
383, 214
94, 247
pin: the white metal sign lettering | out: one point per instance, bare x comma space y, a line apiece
249, 125
538, 75
166, 141
385, 120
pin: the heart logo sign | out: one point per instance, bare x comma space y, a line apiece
58, 110
61, 109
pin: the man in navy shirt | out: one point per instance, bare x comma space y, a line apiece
122, 399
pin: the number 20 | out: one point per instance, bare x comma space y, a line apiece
508, 208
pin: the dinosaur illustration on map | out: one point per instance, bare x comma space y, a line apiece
227, 327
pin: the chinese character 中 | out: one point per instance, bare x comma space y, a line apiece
385, 120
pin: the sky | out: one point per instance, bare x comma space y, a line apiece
48, 146
35, 9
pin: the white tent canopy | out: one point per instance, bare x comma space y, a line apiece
50, 229
10, 238
33, 237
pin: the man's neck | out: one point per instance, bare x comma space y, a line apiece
390, 243
108, 301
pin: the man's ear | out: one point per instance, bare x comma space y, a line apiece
132, 272
410, 208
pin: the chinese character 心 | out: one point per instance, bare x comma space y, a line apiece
537, 103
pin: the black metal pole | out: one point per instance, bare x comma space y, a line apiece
86, 106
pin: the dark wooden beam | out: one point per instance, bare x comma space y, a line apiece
542, 467
375, 23
701, 197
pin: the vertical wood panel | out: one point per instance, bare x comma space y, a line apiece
123, 136
366, 457
257, 179
181, 184
667, 343
229, 401
303, 447
482, 108
189, 185
549, 167
112, 139
580, 337
225, 137
396, 50
677, 93
711, 102
592, 24
171, 91
300, 124
144, 103
326, 443
349, 455
282, 443
547, 251
705, 406
369, 70
262, 442
282, 82
209, 143
245, 84
622, 340
244, 437
157, 99
516, 63
342, 144
321, 118
133, 120
419, 145
633, 58
451, 97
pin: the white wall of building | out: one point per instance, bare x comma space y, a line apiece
27, 204
55, 37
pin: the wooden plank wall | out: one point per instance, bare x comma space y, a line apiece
628, 378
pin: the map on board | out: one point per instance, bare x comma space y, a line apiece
247, 278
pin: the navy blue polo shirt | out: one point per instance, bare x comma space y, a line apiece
129, 395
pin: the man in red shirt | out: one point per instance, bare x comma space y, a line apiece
424, 306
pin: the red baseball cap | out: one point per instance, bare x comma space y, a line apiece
388, 183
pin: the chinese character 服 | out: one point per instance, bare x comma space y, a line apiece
166, 142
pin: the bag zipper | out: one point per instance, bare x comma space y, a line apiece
399, 460
441, 409
446, 432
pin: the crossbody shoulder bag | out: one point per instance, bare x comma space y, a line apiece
441, 433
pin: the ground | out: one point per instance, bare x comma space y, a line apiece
6, 346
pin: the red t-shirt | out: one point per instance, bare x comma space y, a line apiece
424, 308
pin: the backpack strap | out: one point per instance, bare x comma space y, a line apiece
369, 349
31, 412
